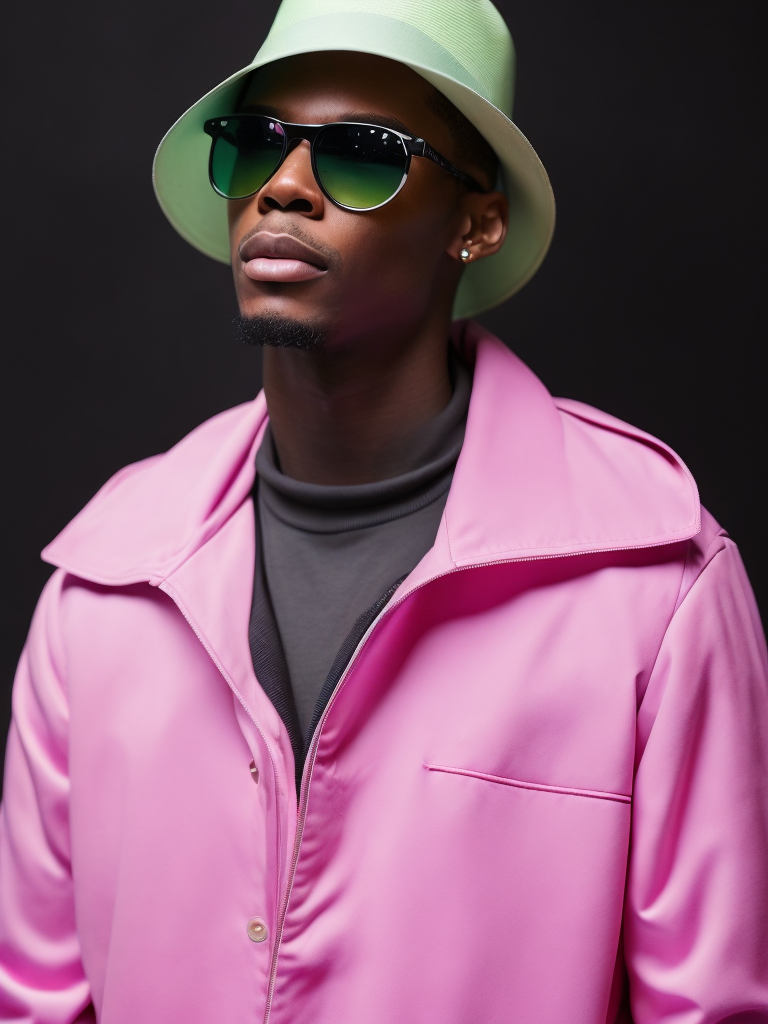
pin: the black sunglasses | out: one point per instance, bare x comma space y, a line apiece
358, 166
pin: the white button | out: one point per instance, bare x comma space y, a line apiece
257, 929
254, 772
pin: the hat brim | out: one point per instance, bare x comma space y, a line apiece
180, 171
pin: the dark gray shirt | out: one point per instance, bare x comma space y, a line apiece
329, 553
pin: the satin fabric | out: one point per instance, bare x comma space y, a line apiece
538, 793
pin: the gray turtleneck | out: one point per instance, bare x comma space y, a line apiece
329, 553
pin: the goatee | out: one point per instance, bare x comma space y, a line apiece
279, 332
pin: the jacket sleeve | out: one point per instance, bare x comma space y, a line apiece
696, 916
41, 976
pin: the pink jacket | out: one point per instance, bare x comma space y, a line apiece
545, 761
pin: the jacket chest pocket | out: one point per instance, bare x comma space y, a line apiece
501, 780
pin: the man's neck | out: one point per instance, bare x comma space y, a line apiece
345, 414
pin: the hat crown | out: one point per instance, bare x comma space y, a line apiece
471, 33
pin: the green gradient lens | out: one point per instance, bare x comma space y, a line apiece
245, 152
359, 165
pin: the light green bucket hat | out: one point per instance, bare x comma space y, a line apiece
462, 47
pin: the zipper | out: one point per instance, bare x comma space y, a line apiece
169, 590
310, 760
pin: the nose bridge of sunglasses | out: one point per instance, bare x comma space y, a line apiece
298, 154
295, 166
295, 143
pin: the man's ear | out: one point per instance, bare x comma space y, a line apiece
483, 226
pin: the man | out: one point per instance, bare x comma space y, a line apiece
424, 698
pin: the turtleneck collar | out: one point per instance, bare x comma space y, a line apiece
320, 508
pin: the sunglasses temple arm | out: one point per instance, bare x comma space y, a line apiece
420, 147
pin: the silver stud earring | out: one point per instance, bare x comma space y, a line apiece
465, 255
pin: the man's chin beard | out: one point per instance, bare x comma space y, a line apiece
279, 332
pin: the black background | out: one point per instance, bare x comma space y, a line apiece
116, 334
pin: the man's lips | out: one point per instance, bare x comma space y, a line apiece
280, 258
266, 268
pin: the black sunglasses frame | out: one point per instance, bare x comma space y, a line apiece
292, 132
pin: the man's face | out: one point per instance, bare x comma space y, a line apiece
384, 270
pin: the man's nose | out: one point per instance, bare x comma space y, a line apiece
293, 185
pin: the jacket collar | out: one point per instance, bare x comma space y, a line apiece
545, 477
537, 477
